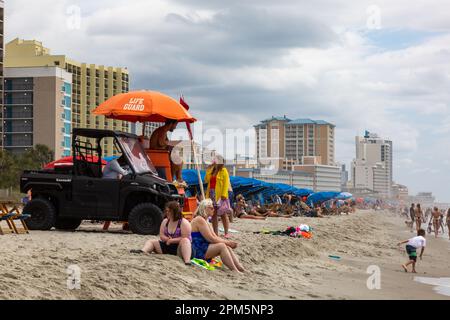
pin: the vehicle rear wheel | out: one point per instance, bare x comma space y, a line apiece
67, 224
145, 219
42, 214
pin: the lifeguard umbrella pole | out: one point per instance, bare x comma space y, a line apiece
149, 106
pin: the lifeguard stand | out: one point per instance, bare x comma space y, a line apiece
161, 161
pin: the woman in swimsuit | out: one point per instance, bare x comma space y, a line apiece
206, 244
436, 216
175, 235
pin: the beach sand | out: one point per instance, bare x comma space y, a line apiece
34, 266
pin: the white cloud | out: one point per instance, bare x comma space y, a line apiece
240, 64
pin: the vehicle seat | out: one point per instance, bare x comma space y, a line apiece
90, 169
161, 161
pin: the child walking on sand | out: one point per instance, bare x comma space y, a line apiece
411, 249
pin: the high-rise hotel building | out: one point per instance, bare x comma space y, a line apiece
292, 140
372, 168
37, 109
91, 84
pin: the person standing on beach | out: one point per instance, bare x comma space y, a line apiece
218, 181
436, 216
411, 249
419, 217
412, 214
448, 222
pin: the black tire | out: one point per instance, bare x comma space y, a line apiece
145, 219
43, 214
67, 224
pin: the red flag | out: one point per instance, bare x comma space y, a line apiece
188, 125
184, 104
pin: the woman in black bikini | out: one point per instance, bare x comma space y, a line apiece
175, 235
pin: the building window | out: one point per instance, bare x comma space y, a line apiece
19, 126
18, 140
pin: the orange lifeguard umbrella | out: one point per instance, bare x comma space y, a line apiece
149, 106
144, 106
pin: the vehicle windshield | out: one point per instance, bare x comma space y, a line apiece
135, 152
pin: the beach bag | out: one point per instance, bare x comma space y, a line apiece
224, 207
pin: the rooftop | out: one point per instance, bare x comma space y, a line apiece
276, 119
297, 121
309, 121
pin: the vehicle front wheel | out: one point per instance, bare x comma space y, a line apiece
42, 214
145, 219
67, 224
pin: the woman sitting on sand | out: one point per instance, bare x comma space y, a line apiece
175, 235
206, 245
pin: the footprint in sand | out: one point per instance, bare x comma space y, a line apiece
10, 276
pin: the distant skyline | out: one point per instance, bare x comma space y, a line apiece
383, 68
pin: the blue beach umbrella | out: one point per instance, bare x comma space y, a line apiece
344, 196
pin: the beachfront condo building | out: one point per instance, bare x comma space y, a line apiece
91, 84
372, 167
37, 109
2, 16
296, 179
325, 178
292, 140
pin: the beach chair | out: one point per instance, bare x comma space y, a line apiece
5, 218
19, 216
12, 215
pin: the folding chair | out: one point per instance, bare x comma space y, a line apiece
13, 215
19, 216
6, 216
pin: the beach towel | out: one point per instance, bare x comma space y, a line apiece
216, 263
221, 229
293, 232
202, 264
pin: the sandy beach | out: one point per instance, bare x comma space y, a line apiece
278, 267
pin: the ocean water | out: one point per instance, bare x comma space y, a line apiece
441, 285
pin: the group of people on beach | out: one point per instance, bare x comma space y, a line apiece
195, 239
199, 239
437, 219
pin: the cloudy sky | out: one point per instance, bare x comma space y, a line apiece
379, 65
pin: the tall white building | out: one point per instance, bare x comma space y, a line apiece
372, 167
